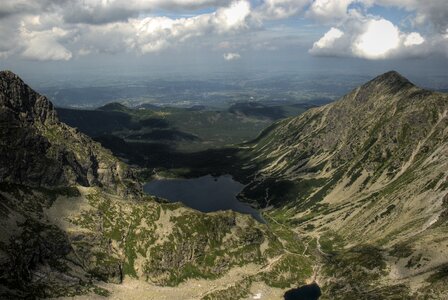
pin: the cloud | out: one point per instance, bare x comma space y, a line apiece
434, 12
34, 38
328, 40
373, 37
377, 40
101, 12
66, 29
109, 38
14, 7
329, 10
49, 37
279, 9
232, 17
231, 56
45, 45
10, 38
154, 34
413, 39
369, 38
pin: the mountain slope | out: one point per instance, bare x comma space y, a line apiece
356, 195
38, 150
370, 173
73, 222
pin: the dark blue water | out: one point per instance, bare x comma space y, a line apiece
306, 292
205, 194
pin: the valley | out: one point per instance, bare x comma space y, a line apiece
353, 195
191, 129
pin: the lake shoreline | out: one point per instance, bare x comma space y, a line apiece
206, 194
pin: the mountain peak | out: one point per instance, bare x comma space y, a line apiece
113, 106
16, 96
387, 84
391, 78
7, 77
7, 73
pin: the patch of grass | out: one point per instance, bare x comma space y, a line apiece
440, 275
290, 270
401, 250
331, 242
431, 185
361, 263
101, 291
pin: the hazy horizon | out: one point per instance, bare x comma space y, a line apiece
54, 45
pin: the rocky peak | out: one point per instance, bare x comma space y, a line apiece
391, 80
391, 77
387, 84
19, 100
38, 150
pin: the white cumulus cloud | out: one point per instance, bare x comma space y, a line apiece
44, 46
414, 38
377, 40
37, 42
64, 29
231, 56
328, 40
280, 9
369, 38
329, 10
49, 36
155, 34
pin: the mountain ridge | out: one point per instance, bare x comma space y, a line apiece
369, 174
355, 196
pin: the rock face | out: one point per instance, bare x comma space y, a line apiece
21, 104
42, 159
371, 172
38, 150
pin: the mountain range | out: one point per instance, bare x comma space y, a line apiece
355, 195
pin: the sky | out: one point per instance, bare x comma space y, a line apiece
80, 38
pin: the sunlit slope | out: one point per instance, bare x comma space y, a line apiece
369, 169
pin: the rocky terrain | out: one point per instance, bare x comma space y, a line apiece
74, 217
355, 195
38, 150
367, 177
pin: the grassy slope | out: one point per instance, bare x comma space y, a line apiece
72, 237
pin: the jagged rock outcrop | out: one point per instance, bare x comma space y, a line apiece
20, 103
42, 159
38, 150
